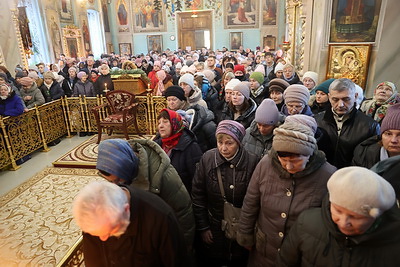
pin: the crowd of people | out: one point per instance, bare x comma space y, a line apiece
312, 167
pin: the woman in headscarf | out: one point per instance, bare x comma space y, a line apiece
10, 103
291, 178
235, 166
180, 145
164, 81
385, 95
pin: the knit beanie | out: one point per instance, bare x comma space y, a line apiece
20, 74
192, 69
243, 88
81, 74
188, 79
26, 82
232, 83
324, 86
48, 74
239, 68
75, 69
115, 156
278, 84
209, 74
258, 76
176, 91
361, 190
312, 75
303, 119
33, 75
267, 112
184, 69
232, 128
296, 93
260, 68
390, 84
391, 121
157, 63
294, 137
278, 67
178, 65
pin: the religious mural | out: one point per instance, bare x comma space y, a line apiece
23, 24
105, 16
354, 20
65, 10
86, 37
241, 13
53, 24
269, 12
122, 16
149, 16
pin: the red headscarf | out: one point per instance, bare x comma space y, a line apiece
177, 127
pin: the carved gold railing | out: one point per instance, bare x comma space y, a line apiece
35, 129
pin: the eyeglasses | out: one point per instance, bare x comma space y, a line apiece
295, 107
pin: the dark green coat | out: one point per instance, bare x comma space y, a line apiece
314, 240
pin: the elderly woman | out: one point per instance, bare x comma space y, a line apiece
104, 80
290, 75
234, 166
241, 108
310, 80
296, 98
10, 103
378, 148
180, 145
385, 94
192, 92
164, 81
355, 226
258, 139
70, 81
30, 93
291, 178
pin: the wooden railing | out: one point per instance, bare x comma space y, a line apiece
35, 129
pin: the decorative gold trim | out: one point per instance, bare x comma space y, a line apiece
22, 53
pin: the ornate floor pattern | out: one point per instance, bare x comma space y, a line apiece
85, 155
36, 226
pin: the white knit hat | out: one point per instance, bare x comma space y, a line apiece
188, 79
278, 67
232, 83
312, 75
361, 190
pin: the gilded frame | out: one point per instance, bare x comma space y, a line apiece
125, 49
349, 61
235, 40
72, 36
65, 10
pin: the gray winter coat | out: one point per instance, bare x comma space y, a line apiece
274, 200
37, 96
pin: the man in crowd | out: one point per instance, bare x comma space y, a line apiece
343, 126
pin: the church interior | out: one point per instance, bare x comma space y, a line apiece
334, 38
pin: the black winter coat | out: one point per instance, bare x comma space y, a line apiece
367, 153
152, 239
314, 240
55, 92
204, 127
339, 149
68, 86
184, 157
99, 84
247, 116
208, 204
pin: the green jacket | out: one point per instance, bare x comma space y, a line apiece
158, 176
314, 240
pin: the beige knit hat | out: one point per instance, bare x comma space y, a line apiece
296, 93
295, 136
361, 191
243, 88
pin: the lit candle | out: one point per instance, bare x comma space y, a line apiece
148, 85
105, 88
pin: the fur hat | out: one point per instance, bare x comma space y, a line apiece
391, 121
278, 84
232, 128
361, 190
243, 88
295, 136
49, 74
258, 76
324, 86
278, 67
312, 75
267, 112
188, 79
26, 81
296, 93
176, 91
115, 156
231, 84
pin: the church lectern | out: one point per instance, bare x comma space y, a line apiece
132, 83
